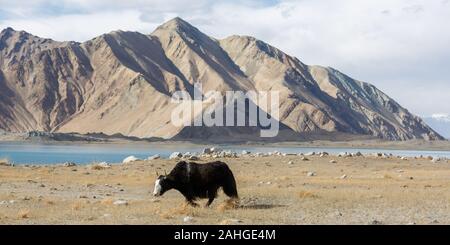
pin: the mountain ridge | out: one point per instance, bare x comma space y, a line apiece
121, 82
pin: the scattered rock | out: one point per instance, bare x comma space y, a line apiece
311, 174
344, 154
358, 154
130, 159
188, 219
154, 157
82, 197
304, 159
244, 152
324, 154
175, 155
343, 176
435, 159
120, 203
333, 161
310, 154
101, 165
404, 158
69, 164
290, 162
193, 158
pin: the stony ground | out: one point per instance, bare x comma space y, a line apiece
273, 190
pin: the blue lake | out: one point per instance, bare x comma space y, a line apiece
32, 153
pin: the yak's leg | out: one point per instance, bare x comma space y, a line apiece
191, 202
211, 196
210, 200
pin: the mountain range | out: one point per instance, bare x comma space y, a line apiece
122, 83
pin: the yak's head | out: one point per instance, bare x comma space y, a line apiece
162, 184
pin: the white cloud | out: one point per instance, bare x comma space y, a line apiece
399, 45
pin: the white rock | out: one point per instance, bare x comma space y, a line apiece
435, 159
310, 154
343, 154
344, 176
304, 159
120, 203
215, 150
207, 151
104, 165
244, 152
333, 161
188, 219
69, 164
290, 162
311, 174
154, 157
175, 155
130, 159
193, 158
404, 158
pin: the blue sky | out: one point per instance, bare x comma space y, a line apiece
401, 46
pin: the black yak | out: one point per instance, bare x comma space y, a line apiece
195, 181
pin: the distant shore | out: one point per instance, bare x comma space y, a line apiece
361, 142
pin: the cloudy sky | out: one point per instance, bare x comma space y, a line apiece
401, 46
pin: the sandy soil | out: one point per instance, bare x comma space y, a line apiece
354, 190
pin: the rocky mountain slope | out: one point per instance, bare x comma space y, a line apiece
122, 82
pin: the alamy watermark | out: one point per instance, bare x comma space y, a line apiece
235, 108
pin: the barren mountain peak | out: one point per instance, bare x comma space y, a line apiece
177, 24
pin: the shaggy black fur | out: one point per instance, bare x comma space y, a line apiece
195, 181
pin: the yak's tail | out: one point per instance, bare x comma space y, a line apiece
229, 187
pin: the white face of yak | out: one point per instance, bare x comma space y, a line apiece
158, 188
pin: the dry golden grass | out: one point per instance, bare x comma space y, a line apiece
107, 201
228, 205
307, 194
387, 176
23, 214
77, 206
